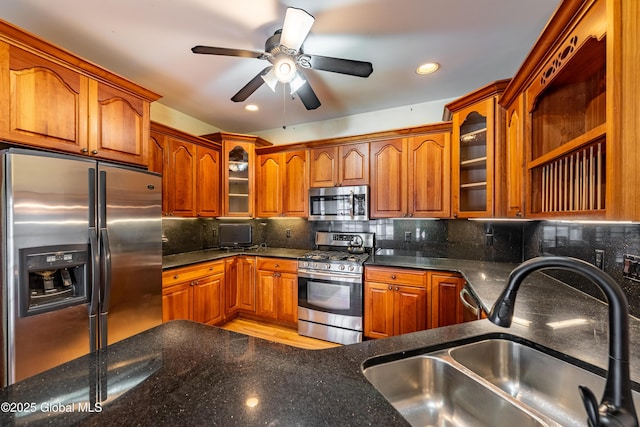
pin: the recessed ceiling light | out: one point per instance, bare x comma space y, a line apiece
251, 107
428, 68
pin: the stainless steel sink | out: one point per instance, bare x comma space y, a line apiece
490, 382
429, 391
540, 381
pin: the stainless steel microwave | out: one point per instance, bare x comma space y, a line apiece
339, 203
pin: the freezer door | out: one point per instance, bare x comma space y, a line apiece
130, 225
46, 200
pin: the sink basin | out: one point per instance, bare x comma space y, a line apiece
429, 391
537, 379
493, 381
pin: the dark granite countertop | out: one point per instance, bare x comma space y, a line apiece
184, 373
187, 258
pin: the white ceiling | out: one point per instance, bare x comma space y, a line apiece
149, 42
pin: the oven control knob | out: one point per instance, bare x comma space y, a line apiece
351, 268
342, 267
327, 266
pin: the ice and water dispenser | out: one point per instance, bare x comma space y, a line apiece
52, 278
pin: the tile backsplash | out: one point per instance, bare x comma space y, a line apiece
495, 241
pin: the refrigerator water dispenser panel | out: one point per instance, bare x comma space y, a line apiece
52, 278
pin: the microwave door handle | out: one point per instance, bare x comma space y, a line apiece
353, 202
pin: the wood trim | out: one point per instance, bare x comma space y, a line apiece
488, 91
545, 45
175, 133
34, 44
219, 137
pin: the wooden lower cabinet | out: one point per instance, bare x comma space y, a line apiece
395, 301
398, 300
195, 293
240, 290
277, 290
446, 306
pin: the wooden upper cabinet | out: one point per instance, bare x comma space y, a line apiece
429, 183
238, 178
477, 131
182, 178
208, 181
118, 125
283, 184
410, 177
190, 168
512, 179
388, 179
52, 99
341, 165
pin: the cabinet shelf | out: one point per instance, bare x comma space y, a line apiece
233, 178
576, 143
478, 161
238, 195
474, 136
474, 185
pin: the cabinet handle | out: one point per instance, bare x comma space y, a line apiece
393, 276
84, 150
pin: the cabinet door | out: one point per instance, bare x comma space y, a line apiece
44, 104
118, 125
208, 299
295, 184
324, 167
410, 313
231, 294
208, 183
473, 156
287, 297
269, 176
446, 307
177, 302
429, 180
354, 164
182, 178
265, 294
514, 160
247, 284
388, 163
159, 162
238, 179
378, 310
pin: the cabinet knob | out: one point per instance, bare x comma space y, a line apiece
277, 265
518, 213
176, 276
390, 288
393, 276
84, 150
410, 215
455, 215
397, 288
94, 151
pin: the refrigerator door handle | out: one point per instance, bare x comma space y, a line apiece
106, 285
94, 267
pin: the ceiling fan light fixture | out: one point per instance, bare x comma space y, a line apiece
428, 68
284, 69
270, 79
296, 83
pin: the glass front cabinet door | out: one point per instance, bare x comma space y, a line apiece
238, 183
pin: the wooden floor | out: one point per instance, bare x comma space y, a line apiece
276, 333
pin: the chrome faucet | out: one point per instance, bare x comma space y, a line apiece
616, 406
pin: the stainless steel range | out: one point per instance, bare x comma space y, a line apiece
330, 287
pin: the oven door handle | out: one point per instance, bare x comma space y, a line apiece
340, 277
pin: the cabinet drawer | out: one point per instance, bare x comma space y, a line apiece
278, 264
396, 276
192, 272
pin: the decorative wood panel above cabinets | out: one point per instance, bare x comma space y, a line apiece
54, 100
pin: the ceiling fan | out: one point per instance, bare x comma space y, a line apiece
284, 51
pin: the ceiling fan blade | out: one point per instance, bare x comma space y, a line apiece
343, 66
297, 24
308, 96
251, 87
208, 50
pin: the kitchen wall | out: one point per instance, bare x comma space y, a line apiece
461, 239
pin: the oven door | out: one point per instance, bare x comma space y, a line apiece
330, 292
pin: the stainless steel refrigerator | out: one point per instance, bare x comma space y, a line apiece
81, 257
